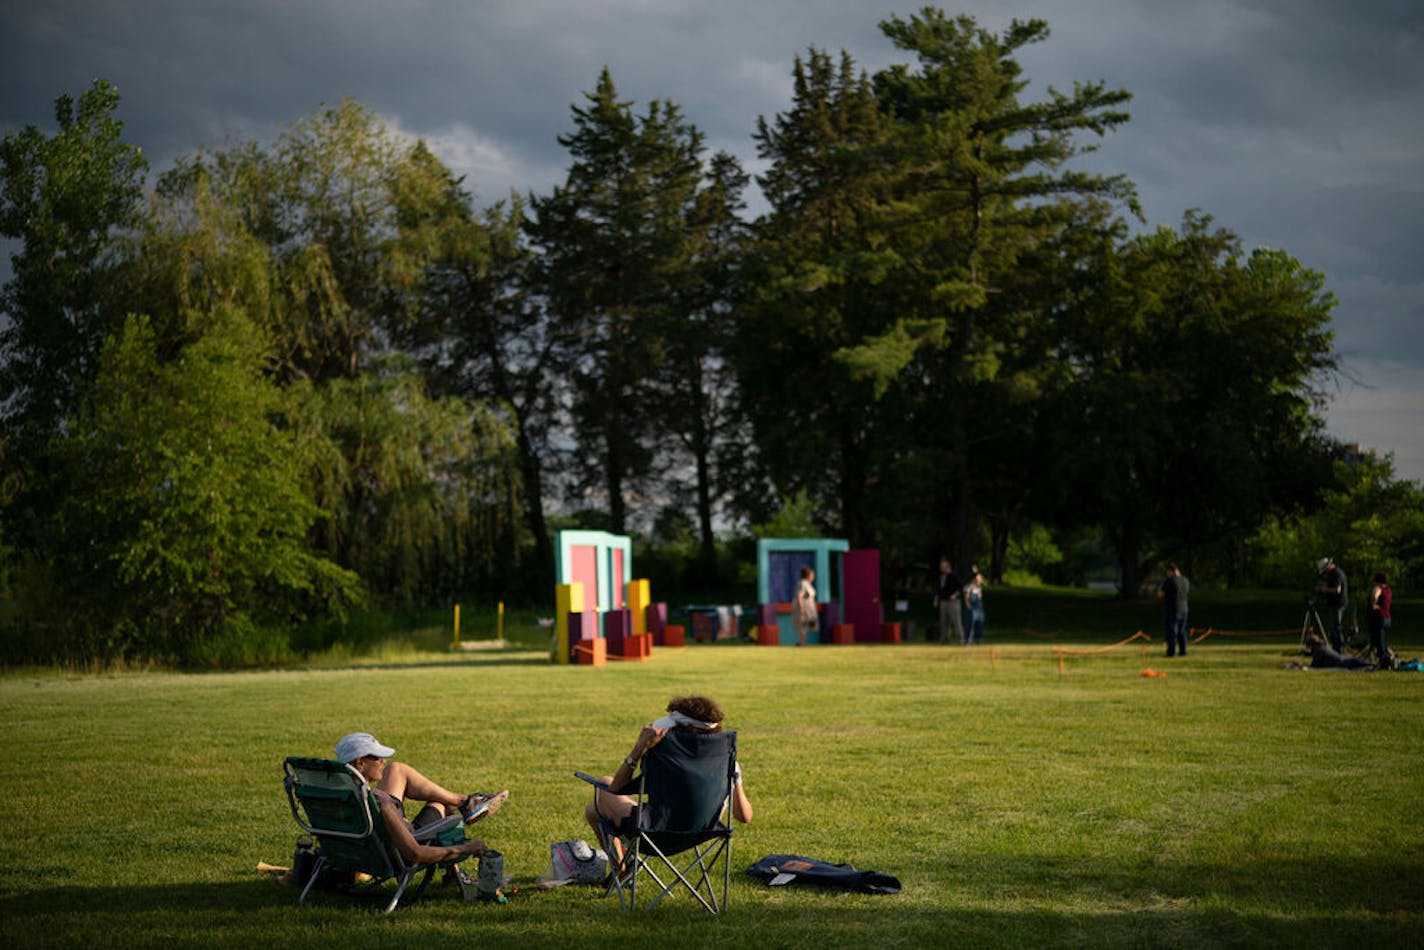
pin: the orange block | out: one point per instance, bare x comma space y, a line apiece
645, 645
592, 652
674, 636
843, 633
768, 635
889, 633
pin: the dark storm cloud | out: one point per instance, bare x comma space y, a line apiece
1296, 123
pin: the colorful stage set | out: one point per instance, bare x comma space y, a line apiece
601, 612
847, 583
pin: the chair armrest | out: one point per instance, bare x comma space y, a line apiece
433, 831
585, 777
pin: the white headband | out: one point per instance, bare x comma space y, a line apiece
675, 718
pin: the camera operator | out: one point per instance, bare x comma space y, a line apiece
1335, 588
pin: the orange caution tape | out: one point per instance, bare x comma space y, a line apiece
1139, 635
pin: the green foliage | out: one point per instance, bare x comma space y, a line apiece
417, 487
1031, 552
64, 197
795, 519
1190, 409
184, 535
1370, 521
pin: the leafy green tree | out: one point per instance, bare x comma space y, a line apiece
335, 239
695, 388
819, 272
64, 197
1368, 521
1191, 410
478, 336
350, 215
186, 532
612, 242
981, 179
418, 488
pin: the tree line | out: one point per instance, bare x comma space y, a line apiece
286, 379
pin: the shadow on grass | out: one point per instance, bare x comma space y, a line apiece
990, 900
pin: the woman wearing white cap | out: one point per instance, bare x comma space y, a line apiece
394, 782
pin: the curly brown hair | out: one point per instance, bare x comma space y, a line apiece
700, 708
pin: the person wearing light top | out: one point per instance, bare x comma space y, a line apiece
393, 782
686, 713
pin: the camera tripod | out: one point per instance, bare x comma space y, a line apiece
1349, 631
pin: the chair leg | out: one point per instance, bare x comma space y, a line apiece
316, 872
405, 879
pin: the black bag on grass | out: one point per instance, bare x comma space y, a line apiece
779, 869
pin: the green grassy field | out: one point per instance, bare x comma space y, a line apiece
1021, 803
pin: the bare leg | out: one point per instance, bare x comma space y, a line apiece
613, 808
403, 781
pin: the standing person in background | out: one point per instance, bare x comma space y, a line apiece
803, 614
1380, 599
1336, 589
949, 594
1174, 610
974, 600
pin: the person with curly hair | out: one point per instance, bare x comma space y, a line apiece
685, 713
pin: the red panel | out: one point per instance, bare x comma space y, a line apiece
583, 568
619, 580
861, 597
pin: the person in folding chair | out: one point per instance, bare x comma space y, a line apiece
678, 802
393, 782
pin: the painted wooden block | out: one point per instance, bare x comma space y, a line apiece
768, 635
656, 618
637, 600
592, 652
617, 626
843, 633
674, 635
568, 599
766, 614
890, 633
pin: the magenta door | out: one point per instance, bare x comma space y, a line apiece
860, 593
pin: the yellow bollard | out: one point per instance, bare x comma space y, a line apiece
457, 626
500, 622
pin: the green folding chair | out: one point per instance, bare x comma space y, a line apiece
680, 831
333, 803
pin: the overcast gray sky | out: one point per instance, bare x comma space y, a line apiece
1298, 124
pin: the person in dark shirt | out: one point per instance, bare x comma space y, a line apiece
949, 596
1174, 610
1336, 589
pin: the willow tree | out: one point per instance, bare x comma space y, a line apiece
328, 239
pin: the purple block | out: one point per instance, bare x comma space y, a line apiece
656, 615
617, 626
583, 626
766, 615
830, 614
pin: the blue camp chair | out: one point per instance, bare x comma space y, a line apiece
680, 830
333, 803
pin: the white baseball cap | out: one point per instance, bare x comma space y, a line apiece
357, 744
1324, 563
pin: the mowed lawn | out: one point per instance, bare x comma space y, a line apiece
1021, 801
